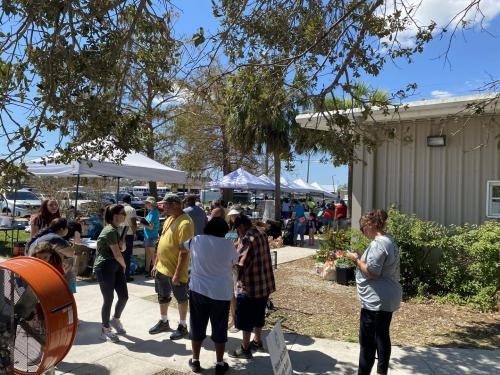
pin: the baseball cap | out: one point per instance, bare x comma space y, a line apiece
171, 198
233, 211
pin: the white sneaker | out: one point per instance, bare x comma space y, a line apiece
107, 334
118, 326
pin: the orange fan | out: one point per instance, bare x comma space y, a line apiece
38, 317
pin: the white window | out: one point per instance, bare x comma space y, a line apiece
493, 199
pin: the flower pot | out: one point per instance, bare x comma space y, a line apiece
344, 274
18, 249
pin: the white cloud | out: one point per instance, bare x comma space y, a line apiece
444, 12
178, 96
439, 94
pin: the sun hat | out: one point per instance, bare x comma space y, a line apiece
151, 200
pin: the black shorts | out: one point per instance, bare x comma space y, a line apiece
250, 312
164, 288
201, 309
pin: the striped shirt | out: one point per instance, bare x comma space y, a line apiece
255, 277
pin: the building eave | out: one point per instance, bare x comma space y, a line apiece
423, 109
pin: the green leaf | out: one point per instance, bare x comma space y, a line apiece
199, 37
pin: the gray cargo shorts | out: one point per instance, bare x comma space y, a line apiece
164, 288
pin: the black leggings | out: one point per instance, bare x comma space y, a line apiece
111, 278
374, 337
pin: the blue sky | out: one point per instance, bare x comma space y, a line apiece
473, 57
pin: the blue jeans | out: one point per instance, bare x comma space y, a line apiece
299, 228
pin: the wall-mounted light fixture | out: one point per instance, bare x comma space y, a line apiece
436, 140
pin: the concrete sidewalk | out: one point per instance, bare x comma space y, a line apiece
141, 353
290, 253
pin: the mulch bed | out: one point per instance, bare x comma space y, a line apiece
308, 305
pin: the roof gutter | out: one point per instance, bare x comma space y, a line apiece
454, 107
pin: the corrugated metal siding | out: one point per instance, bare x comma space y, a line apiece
444, 184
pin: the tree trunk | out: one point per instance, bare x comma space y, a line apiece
266, 162
349, 187
150, 153
277, 188
227, 194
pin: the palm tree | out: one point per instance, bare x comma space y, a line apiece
261, 114
340, 144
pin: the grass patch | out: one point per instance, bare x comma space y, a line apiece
6, 241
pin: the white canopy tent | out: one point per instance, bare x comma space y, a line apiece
293, 187
134, 166
241, 179
326, 193
284, 188
310, 189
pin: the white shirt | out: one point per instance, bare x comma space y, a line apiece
212, 260
130, 215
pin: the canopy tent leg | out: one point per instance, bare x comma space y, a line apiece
14, 207
117, 189
77, 193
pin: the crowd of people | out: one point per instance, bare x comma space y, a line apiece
219, 267
311, 217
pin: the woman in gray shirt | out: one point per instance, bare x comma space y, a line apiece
377, 279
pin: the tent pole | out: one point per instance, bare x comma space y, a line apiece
15, 196
117, 189
77, 192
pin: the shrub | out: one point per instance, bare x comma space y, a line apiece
419, 242
456, 263
469, 266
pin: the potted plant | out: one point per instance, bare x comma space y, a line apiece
344, 268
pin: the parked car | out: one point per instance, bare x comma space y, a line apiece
86, 202
26, 202
110, 198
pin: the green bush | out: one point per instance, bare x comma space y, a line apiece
469, 266
455, 263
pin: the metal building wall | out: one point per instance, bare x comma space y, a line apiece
443, 184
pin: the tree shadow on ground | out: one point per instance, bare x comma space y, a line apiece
308, 361
165, 348
448, 361
82, 368
484, 335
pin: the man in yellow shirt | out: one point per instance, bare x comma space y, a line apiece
171, 266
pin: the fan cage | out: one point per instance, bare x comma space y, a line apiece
38, 316
23, 331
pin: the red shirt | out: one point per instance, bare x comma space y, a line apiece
340, 211
328, 214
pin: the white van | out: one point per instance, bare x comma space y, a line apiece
141, 191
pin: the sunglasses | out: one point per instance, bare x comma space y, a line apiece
122, 213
